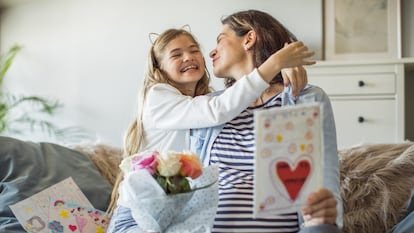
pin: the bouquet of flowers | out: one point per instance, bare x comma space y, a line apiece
169, 191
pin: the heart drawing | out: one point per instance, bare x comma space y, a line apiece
72, 227
293, 179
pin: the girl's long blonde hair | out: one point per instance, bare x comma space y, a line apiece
153, 75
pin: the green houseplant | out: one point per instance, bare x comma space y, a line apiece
23, 114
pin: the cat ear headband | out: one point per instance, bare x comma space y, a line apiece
186, 27
154, 36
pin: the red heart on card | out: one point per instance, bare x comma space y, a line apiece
72, 227
293, 179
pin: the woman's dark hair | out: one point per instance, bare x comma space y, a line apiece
270, 33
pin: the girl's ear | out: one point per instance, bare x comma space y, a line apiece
250, 40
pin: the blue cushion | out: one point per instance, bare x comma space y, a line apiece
27, 168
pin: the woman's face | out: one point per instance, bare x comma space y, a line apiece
183, 62
229, 57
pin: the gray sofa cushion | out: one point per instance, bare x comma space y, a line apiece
27, 168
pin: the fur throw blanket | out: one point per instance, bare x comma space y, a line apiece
376, 181
106, 159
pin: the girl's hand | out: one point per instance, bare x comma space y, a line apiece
294, 54
296, 77
320, 208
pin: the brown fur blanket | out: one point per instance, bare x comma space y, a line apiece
376, 181
106, 159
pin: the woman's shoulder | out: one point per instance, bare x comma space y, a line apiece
312, 93
311, 89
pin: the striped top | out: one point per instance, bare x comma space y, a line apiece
233, 150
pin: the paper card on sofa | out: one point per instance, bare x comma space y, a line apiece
32, 212
67, 217
288, 157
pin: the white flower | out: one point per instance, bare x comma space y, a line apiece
169, 163
126, 164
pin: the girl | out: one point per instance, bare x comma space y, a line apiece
173, 100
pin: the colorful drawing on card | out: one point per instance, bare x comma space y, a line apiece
33, 212
74, 218
288, 158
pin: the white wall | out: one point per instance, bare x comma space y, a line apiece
90, 54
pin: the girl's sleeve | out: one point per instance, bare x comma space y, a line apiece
169, 109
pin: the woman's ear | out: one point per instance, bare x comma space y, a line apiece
250, 40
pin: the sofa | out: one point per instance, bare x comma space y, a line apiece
376, 179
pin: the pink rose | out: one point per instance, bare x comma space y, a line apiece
145, 160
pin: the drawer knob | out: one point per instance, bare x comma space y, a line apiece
361, 83
361, 119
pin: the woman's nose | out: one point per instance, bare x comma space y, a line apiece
213, 53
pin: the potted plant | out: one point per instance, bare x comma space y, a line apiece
22, 114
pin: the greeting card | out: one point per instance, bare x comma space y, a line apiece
288, 157
33, 212
65, 217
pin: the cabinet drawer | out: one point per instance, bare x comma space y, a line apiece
355, 84
365, 121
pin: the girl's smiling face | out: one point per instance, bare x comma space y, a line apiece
183, 62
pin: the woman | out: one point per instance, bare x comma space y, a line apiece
246, 40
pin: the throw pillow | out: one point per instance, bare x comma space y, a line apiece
27, 168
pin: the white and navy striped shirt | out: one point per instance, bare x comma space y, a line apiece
233, 150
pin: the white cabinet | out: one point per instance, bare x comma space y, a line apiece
371, 100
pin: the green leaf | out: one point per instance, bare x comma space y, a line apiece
177, 184
162, 181
6, 61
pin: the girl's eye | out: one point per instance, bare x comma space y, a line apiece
174, 55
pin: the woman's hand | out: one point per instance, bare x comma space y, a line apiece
297, 77
320, 208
